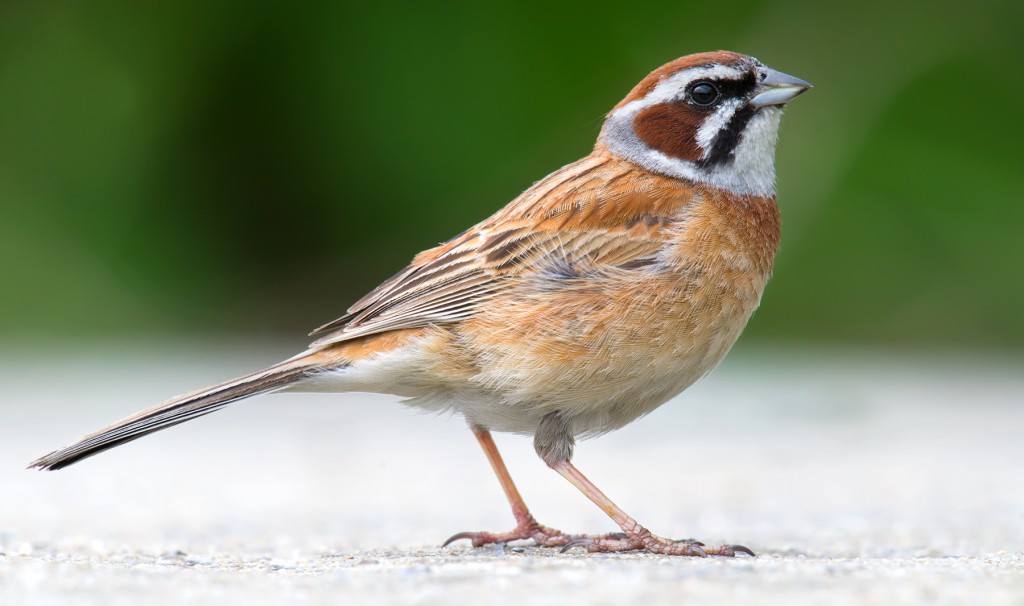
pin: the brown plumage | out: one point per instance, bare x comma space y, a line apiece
598, 294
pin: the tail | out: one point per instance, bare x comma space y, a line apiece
177, 410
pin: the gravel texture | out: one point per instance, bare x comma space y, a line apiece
857, 478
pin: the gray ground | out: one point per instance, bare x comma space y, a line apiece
857, 479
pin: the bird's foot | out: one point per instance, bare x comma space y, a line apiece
643, 540
528, 528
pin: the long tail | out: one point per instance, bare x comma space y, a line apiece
177, 410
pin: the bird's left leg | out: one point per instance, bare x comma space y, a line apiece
554, 443
526, 526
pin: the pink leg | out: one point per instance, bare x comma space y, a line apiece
637, 537
526, 526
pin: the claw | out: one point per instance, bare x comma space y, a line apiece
458, 537
742, 549
576, 543
697, 549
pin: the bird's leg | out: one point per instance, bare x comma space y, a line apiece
636, 536
554, 443
526, 526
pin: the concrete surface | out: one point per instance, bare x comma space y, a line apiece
858, 479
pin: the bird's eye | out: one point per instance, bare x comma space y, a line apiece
704, 94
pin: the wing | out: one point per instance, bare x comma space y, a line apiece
600, 211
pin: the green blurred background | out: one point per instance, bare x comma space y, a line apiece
238, 168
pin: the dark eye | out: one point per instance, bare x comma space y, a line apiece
704, 94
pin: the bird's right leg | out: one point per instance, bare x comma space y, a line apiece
526, 526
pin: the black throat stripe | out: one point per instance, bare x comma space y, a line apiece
728, 138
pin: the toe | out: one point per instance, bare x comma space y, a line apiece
729, 551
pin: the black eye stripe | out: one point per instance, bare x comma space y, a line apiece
728, 87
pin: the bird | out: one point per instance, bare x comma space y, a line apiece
602, 291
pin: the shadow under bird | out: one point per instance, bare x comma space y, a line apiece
598, 294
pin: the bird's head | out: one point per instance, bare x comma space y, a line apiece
711, 118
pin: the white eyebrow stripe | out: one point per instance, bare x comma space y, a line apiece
673, 87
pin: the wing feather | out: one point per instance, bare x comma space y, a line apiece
573, 218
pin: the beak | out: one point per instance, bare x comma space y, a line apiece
777, 88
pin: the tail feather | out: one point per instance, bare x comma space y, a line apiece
174, 411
